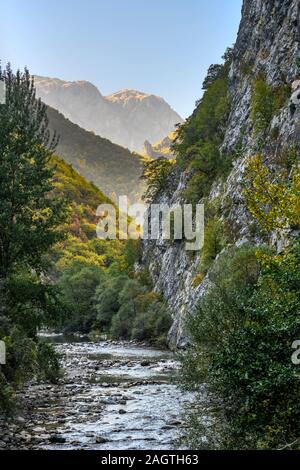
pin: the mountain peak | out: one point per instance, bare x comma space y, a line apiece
128, 93
50, 84
127, 117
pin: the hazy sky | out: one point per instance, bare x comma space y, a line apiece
158, 46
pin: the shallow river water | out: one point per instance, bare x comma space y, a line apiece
112, 396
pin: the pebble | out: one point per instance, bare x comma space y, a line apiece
101, 440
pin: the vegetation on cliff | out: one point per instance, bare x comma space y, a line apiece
244, 328
198, 140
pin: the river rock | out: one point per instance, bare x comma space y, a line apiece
57, 439
145, 363
101, 440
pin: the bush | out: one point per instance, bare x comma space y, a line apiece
272, 195
233, 278
153, 324
214, 241
48, 362
254, 373
266, 101
242, 335
142, 315
7, 395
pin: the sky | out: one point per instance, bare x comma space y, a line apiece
162, 47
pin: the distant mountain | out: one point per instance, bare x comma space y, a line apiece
162, 148
128, 117
113, 169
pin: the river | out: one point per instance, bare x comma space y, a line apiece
113, 395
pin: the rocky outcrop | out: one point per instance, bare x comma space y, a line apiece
127, 117
160, 149
267, 45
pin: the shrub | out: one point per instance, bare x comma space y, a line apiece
214, 241
272, 195
48, 362
254, 373
243, 331
265, 102
153, 324
156, 173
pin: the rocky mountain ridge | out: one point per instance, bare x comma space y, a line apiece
163, 148
267, 46
127, 117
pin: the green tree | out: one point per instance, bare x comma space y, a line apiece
78, 284
272, 195
266, 100
107, 300
29, 217
30, 220
156, 173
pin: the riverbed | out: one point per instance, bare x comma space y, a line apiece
113, 395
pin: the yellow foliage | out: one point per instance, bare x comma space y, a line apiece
197, 280
273, 197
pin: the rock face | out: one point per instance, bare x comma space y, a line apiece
127, 117
161, 148
268, 45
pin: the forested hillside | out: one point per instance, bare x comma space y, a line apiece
112, 168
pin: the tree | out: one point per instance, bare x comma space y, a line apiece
29, 217
107, 300
156, 173
78, 284
30, 220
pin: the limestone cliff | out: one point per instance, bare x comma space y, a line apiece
267, 46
